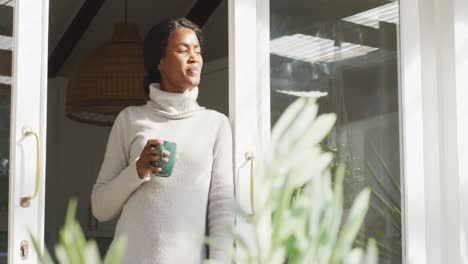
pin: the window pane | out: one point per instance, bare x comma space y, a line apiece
6, 45
348, 48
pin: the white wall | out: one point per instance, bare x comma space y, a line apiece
75, 151
214, 90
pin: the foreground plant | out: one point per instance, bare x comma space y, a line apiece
73, 248
299, 214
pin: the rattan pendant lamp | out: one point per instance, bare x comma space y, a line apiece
109, 79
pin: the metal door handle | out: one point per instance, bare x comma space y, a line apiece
26, 201
250, 157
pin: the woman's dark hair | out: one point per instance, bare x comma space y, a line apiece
155, 45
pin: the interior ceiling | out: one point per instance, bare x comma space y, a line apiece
292, 16
144, 13
147, 13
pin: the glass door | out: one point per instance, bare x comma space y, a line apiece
6, 43
348, 49
23, 75
351, 51
394, 76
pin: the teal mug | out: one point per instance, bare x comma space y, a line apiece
166, 168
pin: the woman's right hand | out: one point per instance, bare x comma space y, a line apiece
148, 155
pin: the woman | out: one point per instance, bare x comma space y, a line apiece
165, 219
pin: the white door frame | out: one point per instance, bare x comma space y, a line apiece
434, 80
460, 21
249, 93
29, 106
243, 99
413, 159
448, 39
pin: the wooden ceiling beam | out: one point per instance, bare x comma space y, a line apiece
202, 10
72, 35
384, 37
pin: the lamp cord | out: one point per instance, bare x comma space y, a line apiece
126, 3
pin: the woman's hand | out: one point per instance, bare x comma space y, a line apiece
148, 155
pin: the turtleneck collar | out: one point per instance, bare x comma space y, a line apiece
173, 105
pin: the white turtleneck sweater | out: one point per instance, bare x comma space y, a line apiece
165, 220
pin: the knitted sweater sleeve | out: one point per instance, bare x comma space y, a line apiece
118, 177
221, 195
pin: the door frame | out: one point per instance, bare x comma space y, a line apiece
432, 148
243, 101
460, 21
28, 110
249, 95
413, 161
435, 76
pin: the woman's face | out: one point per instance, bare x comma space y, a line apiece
181, 65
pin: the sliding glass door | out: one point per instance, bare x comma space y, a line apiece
365, 56
349, 50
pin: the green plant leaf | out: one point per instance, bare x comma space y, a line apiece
116, 251
73, 248
62, 255
79, 241
67, 245
354, 257
352, 225
382, 248
394, 211
44, 255
306, 213
395, 221
387, 170
285, 120
381, 185
371, 253
318, 131
91, 253
331, 221
71, 212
